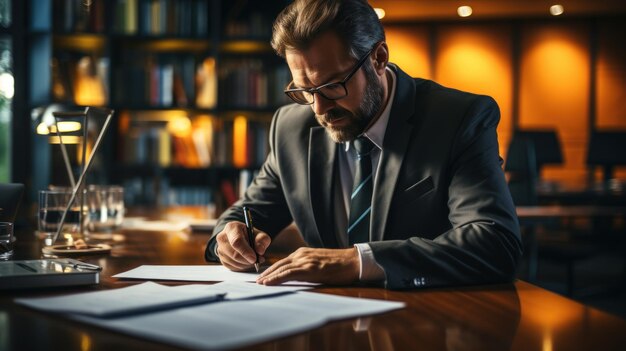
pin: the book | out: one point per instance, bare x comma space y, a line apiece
22, 274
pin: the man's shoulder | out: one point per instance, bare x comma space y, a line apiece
294, 108
294, 116
436, 90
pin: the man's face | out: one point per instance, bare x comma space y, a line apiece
327, 61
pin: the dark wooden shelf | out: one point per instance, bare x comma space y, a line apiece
138, 68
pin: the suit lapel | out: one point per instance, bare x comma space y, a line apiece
397, 137
322, 157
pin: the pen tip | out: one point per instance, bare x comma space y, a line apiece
256, 266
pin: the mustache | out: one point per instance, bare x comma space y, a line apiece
335, 114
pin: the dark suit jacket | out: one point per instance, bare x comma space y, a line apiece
441, 215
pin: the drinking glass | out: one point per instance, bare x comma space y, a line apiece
105, 208
6, 240
52, 204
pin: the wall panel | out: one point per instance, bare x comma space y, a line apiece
554, 66
478, 59
611, 76
409, 48
554, 91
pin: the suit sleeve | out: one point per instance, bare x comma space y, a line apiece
483, 245
264, 197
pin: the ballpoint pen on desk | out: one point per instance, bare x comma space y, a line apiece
87, 266
68, 262
250, 228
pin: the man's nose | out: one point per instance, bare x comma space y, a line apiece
321, 105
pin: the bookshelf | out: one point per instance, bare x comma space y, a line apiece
194, 84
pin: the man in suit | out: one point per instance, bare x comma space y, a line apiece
389, 179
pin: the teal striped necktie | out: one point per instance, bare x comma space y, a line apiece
361, 196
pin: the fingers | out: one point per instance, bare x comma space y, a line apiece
282, 275
280, 272
289, 268
239, 242
235, 265
262, 242
329, 266
234, 250
270, 270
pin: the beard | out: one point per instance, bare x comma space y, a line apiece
361, 118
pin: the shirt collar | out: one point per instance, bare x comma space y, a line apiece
376, 133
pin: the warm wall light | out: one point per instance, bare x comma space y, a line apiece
379, 12
556, 10
464, 11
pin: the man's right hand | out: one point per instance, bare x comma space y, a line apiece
234, 251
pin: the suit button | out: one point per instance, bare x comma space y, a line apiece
419, 281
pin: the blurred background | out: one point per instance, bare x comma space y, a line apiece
194, 84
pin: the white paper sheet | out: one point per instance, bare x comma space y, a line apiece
134, 299
234, 324
243, 290
200, 273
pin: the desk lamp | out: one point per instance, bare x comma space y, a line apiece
86, 165
65, 128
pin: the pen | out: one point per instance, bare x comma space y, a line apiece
250, 228
91, 267
83, 265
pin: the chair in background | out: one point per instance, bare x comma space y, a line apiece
521, 165
606, 149
527, 153
546, 144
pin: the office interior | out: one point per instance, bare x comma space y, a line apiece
194, 84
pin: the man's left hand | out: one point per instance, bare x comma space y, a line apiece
328, 266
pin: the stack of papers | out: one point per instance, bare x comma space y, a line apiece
195, 273
221, 316
136, 299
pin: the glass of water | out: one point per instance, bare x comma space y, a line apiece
52, 204
105, 209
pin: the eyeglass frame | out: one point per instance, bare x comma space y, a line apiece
317, 90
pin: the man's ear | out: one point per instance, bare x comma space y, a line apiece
381, 58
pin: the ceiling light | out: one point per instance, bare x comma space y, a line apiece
556, 10
379, 12
464, 11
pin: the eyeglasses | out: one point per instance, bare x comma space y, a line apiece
329, 91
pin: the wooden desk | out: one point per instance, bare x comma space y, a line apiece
612, 193
518, 316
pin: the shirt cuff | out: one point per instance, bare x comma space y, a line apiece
369, 269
